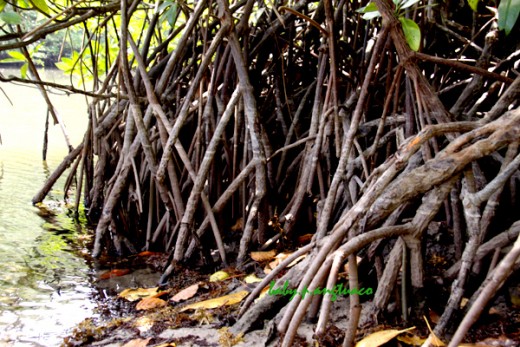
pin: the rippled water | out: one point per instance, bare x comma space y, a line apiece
44, 285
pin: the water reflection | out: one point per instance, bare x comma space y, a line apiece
44, 285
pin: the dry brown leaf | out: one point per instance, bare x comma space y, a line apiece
149, 303
168, 344
137, 343
380, 337
304, 239
272, 265
239, 225
263, 256
186, 293
131, 294
230, 299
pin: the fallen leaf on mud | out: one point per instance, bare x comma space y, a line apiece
230, 299
263, 256
147, 253
281, 257
114, 273
252, 279
132, 294
144, 324
239, 225
380, 337
304, 239
168, 344
137, 343
435, 341
296, 261
262, 294
218, 276
150, 303
186, 293
227, 339
411, 340
345, 267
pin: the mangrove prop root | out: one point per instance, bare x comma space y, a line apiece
331, 126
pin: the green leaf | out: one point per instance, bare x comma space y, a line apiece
369, 11
371, 15
16, 55
412, 33
41, 5
473, 4
11, 18
371, 7
9, 61
408, 3
23, 70
508, 11
2, 5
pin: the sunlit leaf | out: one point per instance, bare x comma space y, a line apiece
473, 4
41, 5
508, 11
2, 5
11, 18
186, 293
9, 61
16, 55
412, 33
380, 337
150, 303
131, 294
218, 276
263, 256
225, 300
23, 70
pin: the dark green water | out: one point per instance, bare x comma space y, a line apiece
44, 285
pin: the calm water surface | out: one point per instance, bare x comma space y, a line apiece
44, 285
